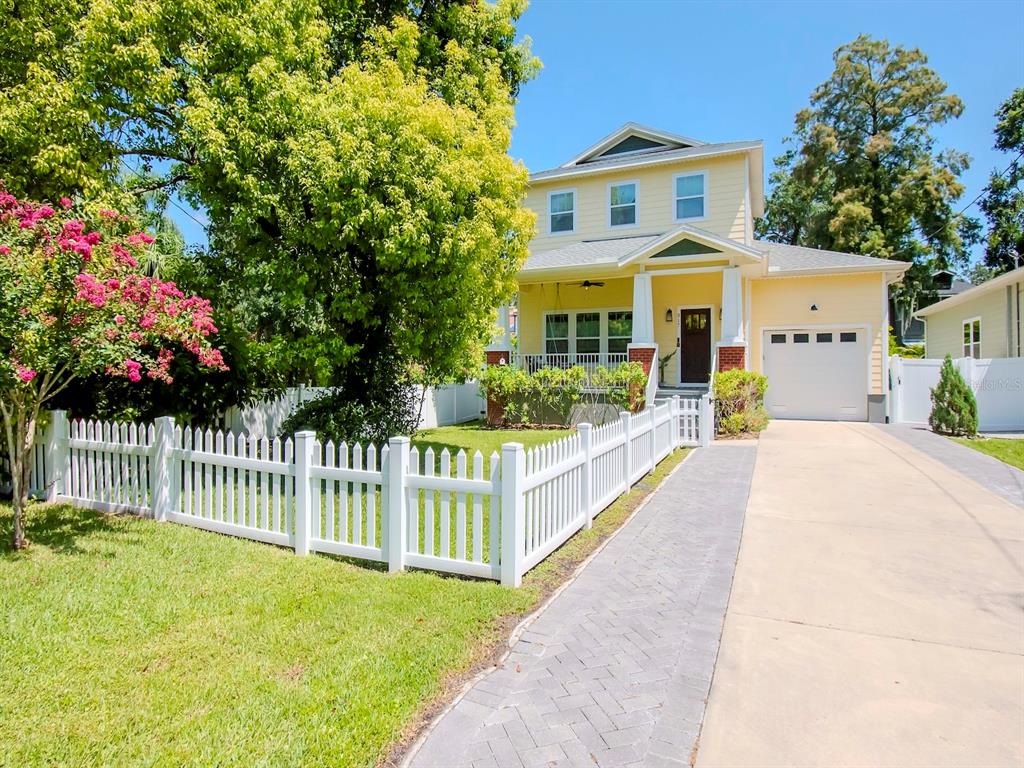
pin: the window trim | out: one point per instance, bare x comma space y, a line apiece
675, 198
636, 203
970, 321
602, 311
575, 210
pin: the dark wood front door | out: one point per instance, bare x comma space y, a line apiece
695, 345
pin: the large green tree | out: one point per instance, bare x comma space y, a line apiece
1003, 203
864, 174
350, 155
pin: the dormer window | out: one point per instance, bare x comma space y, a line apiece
562, 211
689, 191
622, 204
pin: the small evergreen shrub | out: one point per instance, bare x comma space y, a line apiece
954, 407
739, 401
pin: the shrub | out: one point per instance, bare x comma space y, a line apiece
623, 386
339, 417
549, 395
954, 407
739, 401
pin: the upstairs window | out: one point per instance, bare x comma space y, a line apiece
562, 211
622, 204
689, 195
972, 338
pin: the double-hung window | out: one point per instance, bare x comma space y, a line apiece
556, 333
689, 190
972, 338
620, 331
593, 333
562, 211
622, 204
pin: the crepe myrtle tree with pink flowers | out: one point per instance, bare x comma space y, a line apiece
74, 302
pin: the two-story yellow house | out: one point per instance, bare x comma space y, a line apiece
645, 245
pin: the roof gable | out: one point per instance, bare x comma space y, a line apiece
633, 139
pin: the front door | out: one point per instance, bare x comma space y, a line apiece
695, 345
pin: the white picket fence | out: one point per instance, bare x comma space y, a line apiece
489, 517
998, 385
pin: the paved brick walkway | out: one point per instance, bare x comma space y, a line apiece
616, 671
998, 477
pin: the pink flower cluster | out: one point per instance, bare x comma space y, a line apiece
74, 238
116, 313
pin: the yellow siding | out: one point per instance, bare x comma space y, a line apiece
944, 330
855, 300
725, 193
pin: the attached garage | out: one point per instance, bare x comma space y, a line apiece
817, 373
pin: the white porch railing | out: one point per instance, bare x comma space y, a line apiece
531, 363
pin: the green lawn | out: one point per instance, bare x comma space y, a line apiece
472, 438
125, 641
1004, 449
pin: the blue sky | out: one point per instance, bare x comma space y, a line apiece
732, 71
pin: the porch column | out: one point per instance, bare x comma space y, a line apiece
732, 348
732, 307
503, 339
643, 309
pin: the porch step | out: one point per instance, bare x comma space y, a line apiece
667, 393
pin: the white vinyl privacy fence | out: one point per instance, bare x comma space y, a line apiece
491, 517
998, 386
441, 406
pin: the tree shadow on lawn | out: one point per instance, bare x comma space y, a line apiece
61, 527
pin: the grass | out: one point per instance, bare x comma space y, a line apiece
471, 438
1004, 449
130, 642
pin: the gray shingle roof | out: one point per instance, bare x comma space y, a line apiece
587, 253
794, 258
653, 156
782, 258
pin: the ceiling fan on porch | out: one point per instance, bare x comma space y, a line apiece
588, 284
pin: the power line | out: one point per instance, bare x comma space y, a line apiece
170, 199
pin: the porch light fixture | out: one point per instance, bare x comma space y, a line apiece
814, 307
668, 315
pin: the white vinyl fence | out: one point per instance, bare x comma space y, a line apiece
998, 385
490, 517
442, 406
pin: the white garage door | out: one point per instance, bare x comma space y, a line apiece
817, 374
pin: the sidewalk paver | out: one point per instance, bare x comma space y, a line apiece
876, 613
616, 670
998, 476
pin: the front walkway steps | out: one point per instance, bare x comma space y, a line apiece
616, 670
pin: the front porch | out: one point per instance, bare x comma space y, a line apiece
678, 302
695, 320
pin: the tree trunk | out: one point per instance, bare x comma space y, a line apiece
20, 431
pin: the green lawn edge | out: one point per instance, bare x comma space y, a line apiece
1007, 450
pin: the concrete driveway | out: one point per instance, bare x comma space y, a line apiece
876, 612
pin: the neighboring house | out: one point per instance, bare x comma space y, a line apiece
946, 284
981, 322
645, 245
